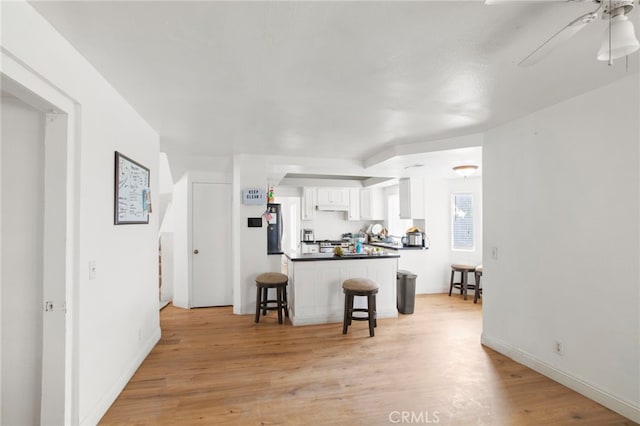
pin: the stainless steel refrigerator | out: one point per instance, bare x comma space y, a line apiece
274, 229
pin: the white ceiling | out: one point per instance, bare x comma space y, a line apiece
344, 80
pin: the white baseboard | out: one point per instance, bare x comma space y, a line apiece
627, 409
101, 408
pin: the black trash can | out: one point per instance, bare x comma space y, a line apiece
406, 291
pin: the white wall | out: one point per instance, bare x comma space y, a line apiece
117, 313
250, 244
181, 243
561, 204
181, 164
166, 290
22, 145
434, 277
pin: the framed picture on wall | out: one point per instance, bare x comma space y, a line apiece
132, 197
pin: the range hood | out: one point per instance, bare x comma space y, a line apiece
332, 207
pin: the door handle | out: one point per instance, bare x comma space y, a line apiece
196, 251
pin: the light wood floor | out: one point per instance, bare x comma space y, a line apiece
214, 368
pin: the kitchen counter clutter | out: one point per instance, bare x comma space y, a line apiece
315, 284
297, 256
395, 246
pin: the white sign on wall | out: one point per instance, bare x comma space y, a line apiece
254, 196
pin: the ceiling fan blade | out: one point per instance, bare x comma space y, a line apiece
558, 38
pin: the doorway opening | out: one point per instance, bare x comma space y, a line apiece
36, 255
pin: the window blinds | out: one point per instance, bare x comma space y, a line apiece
462, 222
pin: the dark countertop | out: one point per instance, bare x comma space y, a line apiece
395, 247
295, 256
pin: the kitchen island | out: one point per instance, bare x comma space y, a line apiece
315, 284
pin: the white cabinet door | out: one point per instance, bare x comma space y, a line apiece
211, 283
411, 194
333, 197
354, 204
405, 198
371, 204
340, 197
308, 210
322, 196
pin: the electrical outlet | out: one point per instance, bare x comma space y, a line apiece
557, 347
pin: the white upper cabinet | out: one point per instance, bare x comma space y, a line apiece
371, 204
411, 194
308, 203
354, 204
333, 198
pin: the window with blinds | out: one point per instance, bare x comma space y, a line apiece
462, 222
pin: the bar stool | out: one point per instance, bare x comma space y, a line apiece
264, 282
478, 291
463, 284
359, 287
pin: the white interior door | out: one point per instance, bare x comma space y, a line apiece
211, 245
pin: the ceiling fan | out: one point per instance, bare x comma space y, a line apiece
619, 38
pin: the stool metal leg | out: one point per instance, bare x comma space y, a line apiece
258, 303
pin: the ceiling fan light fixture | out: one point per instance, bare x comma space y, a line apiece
623, 39
465, 170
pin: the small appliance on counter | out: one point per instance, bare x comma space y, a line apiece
413, 238
307, 247
327, 246
307, 235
